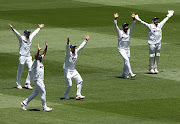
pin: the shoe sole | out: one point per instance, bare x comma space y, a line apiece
22, 106
133, 76
80, 98
47, 111
151, 72
19, 88
28, 88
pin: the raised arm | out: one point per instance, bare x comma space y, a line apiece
45, 50
37, 54
133, 23
144, 23
116, 15
68, 47
36, 31
18, 35
83, 44
170, 13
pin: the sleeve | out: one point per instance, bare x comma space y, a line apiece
18, 35
34, 33
117, 28
132, 26
34, 66
144, 23
81, 46
67, 49
163, 21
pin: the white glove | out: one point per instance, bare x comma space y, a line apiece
170, 13
137, 18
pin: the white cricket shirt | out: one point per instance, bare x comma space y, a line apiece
155, 32
124, 38
38, 70
71, 58
24, 43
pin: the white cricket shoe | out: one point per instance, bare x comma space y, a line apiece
151, 71
28, 86
47, 109
23, 106
156, 71
66, 96
80, 97
133, 75
19, 87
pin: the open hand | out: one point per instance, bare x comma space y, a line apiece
11, 26
39, 48
116, 15
41, 25
133, 15
88, 37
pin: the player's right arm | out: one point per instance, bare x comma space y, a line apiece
16, 32
45, 50
142, 22
68, 47
116, 15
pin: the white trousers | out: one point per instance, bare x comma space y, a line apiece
154, 49
39, 89
22, 61
126, 57
154, 54
73, 74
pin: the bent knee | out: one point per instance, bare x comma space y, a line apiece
157, 54
80, 82
152, 55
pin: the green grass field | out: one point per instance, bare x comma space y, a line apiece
145, 99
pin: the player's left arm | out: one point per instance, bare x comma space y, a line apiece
133, 23
37, 54
45, 50
170, 13
84, 43
36, 31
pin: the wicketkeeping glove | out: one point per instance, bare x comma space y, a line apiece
137, 18
170, 13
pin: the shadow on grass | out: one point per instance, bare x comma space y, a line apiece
34, 110
154, 73
9, 88
125, 78
62, 98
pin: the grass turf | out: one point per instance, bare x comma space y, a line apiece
146, 99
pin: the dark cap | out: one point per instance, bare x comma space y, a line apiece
27, 32
125, 24
72, 46
155, 18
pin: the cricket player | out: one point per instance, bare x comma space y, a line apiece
124, 44
38, 77
69, 68
24, 54
154, 40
